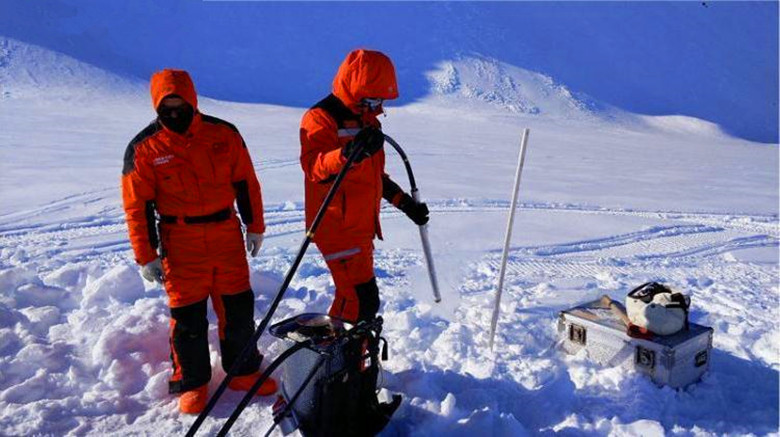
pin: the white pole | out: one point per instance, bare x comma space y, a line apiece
512, 208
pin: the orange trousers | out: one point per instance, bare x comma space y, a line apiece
357, 295
202, 261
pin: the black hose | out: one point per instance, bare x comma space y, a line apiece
289, 406
252, 343
251, 393
360, 329
405, 159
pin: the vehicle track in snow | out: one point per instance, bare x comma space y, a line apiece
273, 164
93, 223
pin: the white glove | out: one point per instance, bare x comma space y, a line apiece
153, 271
253, 243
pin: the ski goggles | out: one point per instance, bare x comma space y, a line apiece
646, 292
178, 110
371, 103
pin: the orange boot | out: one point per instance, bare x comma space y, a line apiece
245, 383
194, 401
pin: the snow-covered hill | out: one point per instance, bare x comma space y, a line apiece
479, 82
29, 71
716, 61
606, 203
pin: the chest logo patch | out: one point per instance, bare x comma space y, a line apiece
162, 160
219, 148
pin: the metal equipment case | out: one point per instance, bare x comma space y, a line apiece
675, 360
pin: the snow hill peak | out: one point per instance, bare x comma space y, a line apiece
487, 80
473, 82
478, 82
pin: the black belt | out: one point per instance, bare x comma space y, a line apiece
219, 216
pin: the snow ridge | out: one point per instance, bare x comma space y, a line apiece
476, 82
470, 82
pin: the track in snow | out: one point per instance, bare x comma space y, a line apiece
92, 223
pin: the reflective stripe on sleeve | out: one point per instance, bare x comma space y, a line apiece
348, 132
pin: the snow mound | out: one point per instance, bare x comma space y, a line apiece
121, 283
681, 124
487, 80
30, 71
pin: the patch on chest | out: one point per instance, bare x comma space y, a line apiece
162, 160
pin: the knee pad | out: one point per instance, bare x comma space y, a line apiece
368, 299
190, 321
239, 313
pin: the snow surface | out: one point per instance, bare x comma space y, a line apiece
609, 200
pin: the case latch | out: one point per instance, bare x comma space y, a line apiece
645, 357
701, 358
578, 334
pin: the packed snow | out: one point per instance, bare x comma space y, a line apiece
609, 200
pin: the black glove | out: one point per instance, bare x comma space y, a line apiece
372, 140
417, 211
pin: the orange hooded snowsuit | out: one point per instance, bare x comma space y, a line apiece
191, 181
345, 235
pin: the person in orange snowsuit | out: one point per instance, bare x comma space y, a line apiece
329, 132
182, 176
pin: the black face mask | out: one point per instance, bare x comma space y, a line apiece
176, 119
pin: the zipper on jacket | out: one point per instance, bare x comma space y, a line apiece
343, 304
344, 208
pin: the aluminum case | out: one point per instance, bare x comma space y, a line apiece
675, 360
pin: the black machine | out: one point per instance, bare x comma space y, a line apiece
329, 386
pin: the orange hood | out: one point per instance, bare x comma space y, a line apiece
365, 73
170, 81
